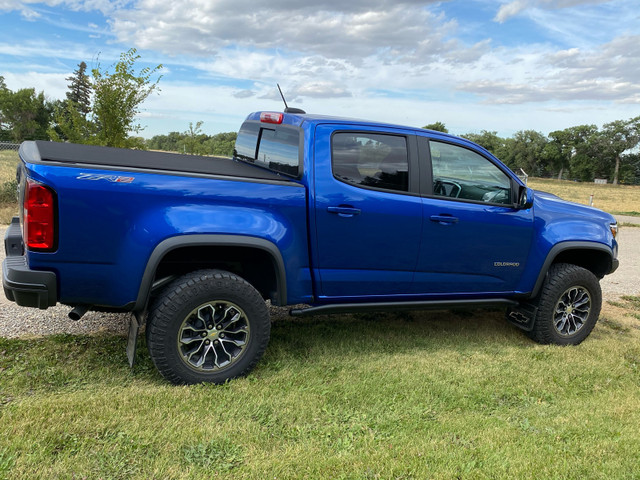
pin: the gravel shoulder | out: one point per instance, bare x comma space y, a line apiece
28, 322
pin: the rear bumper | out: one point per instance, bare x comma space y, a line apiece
26, 287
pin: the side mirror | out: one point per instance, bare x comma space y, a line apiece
525, 198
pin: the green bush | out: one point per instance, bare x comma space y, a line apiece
9, 192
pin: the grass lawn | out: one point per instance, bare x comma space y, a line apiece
616, 199
410, 396
8, 203
421, 395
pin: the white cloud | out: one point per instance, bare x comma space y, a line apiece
607, 73
53, 84
516, 7
28, 7
346, 30
244, 94
366, 58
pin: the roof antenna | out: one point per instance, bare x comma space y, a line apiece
288, 109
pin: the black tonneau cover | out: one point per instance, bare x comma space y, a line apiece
121, 157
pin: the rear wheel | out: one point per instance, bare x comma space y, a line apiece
208, 326
568, 305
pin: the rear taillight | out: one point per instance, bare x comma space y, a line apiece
39, 217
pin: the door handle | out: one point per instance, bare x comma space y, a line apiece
344, 211
444, 219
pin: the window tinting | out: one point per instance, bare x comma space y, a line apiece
246, 142
278, 150
463, 174
371, 160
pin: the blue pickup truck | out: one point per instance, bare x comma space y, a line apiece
333, 214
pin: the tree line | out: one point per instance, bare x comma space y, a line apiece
194, 142
584, 152
101, 107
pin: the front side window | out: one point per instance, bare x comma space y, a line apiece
464, 174
371, 160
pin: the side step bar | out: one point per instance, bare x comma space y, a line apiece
395, 306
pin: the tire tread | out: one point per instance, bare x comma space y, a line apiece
186, 289
560, 277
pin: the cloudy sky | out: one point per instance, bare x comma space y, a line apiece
503, 65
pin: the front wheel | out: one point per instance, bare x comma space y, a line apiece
568, 306
207, 326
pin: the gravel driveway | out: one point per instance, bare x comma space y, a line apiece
23, 322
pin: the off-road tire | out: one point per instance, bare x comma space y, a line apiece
567, 289
192, 297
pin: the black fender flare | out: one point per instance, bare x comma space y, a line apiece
563, 247
209, 240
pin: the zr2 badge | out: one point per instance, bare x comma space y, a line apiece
108, 178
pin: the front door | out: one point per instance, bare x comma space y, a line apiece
475, 240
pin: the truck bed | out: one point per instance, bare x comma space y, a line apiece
75, 155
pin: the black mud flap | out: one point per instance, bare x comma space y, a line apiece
132, 339
522, 316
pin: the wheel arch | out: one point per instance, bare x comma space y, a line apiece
595, 257
257, 260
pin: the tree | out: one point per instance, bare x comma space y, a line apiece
558, 151
489, 140
570, 147
618, 137
70, 121
79, 93
524, 151
193, 139
221, 144
118, 96
630, 169
437, 126
24, 115
70, 125
5, 135
168, 143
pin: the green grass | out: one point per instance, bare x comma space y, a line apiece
8, 164
616, 199
420, 395
8, 202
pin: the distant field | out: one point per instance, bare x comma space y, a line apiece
8, 205
620, 199
8, 163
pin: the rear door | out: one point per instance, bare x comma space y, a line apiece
368, 212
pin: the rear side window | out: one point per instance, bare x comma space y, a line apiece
371, 160
278, 150
274, 148
246, 142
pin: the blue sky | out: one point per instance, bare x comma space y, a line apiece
498, 65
